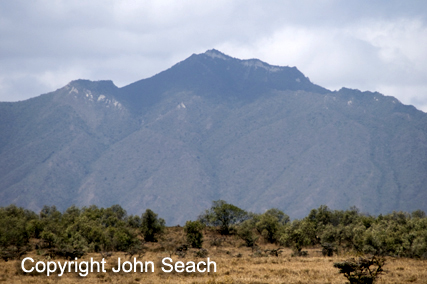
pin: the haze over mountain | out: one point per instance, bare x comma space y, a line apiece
213, 127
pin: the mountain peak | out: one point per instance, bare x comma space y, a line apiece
88, 84
213, 53
251, 63
103, 87
218, 76
256, 63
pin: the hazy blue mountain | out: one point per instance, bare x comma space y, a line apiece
213, 127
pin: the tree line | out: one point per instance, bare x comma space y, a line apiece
77, 231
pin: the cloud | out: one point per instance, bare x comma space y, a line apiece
378, 46
376, 55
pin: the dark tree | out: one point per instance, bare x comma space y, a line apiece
151, 226
224, 215
362, 271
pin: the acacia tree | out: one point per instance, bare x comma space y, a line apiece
362, 271
224, 215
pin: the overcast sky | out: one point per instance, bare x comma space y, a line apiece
366, 45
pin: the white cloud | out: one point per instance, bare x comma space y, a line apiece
375, 55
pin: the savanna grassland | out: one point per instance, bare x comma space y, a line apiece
235, 262
327, 246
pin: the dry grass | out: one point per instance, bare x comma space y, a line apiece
235, 264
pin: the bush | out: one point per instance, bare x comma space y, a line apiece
360, 271
201, 253
245, 232
193, 229
328, 249
297, 235
268, 226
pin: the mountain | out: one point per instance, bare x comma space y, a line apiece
213, 127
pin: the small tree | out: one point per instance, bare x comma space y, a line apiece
134, 221
329, 239
193, 229
269, 224
297, 235
151, 226
362, 271
418, 214
245, 232
281, 217
224, 215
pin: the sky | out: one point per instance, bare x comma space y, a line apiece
367, 45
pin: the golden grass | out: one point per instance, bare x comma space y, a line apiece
235, 264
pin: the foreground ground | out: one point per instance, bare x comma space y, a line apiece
235, 264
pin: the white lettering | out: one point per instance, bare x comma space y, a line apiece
23, 267
167, 264
209, 263
92, 263
48, 267
118, 266
37, 267
130, 266
146, 266
62, 268
83, 272
69, 266
135, 264
198, 267
82, 268
103, 263
179, 266
191, 265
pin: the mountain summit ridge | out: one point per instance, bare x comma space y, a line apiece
253, 62
218, 76
213, 127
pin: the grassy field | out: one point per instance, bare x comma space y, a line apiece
235, 264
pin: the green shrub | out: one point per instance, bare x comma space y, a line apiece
268, 226
193, 230
246, 232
